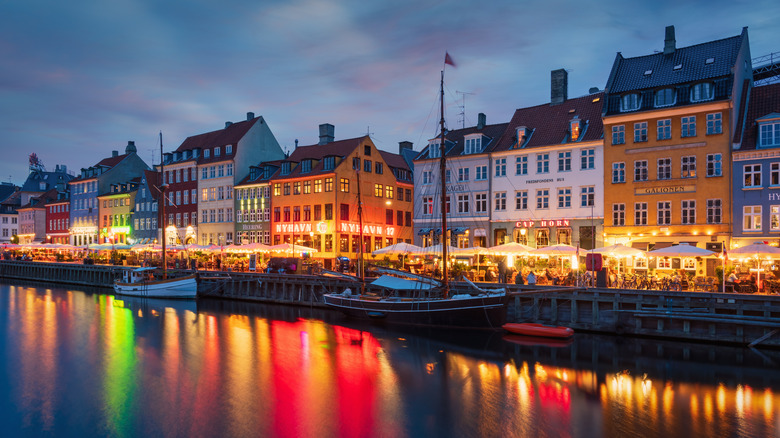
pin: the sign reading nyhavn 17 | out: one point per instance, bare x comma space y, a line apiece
664, 190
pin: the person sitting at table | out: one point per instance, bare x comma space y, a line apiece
531, 278
732, 278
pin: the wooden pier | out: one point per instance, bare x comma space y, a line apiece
743, 319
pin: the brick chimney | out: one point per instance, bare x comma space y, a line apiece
227, 124
481, 121
250, 116
404, 145
669, 41
114, 153
327, 132
559, 86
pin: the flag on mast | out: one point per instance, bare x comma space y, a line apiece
448, 59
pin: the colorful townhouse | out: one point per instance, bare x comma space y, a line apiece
96, 180
547, 172
58, 219
32, 218
145, 213
10, 200
316, 191
181, 195
115, 210
468, 186
756, 171
669, 120
223, 158
253, 204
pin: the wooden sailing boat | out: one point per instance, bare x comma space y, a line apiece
147, 282
419, 301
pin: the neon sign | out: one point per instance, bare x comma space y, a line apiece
543, 223
349, 227
293, 228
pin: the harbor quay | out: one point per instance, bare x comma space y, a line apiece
729, 318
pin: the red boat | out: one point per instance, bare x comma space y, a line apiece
535, 341
546, 331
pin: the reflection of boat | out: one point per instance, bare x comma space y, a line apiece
417, 300
155, 305
545, 331
533, 341
142, 282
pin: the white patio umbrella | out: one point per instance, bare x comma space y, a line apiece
435, 250
511, 248
289, 248
757, 250
618, 250
555, 250
476, 250
681, 250
398, 248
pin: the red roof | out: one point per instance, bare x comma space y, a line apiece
340, 148
112, 161
227, 136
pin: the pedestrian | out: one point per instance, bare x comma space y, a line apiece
531, 278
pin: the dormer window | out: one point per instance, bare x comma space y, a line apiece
229, 149
664, 97
206, 153
217, 151
769, 133
522, 136
306, 166
629, 102
286, 168
701, 92
329, 163
253, 172
473, 145
267, 172
575, 125
434, 150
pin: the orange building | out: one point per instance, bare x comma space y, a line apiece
315, 194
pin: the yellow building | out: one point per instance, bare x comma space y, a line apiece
314, 197
669, 120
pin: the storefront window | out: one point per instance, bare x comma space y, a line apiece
564, 236
521, 237
689, 264
542, 237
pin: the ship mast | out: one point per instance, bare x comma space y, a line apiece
361, 258
443, 178
162, 209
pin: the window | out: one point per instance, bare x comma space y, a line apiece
286, 189
204, 195
473, 145
329, 163
427, 176
688, 212
564, 161
702, 91
618, 134
688, 167
542, 199
434, 150
618, 173
277, 189
427, 205
618, 214
481, 173
213, 172
217, 152
714, 124
542, 237
713, 211
500, 199
367, 150
317, 186
587, 196
317, 212
206, 153
463, 174
574, 128
640, 213
389, 192
205, 173
228, 149
664, 128
769, 134
344, 212
688, 126
500, 166
714, 166
521, 165
399, 194
306, 187
774, 174
640, 170
480, 202
367, 166
587, 159
277, 214
752, 218
521, 200
640, 132
774, 217
664, 97
542, 163
286, 214
344, 185
306, 166
389, 216
664, 168
463, 204
664, 212
328, 184
564, 197
379, 168
328, 212
378, 190
629, 102
752, 174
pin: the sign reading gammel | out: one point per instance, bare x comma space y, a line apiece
349, 227
664, 190
543, 223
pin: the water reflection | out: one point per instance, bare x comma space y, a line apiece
87, 364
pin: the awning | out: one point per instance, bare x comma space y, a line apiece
424, 231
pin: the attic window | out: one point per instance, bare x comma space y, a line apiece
648, 72
571, 111
596, 99
473, 145
709, 60
677, 67
286, 168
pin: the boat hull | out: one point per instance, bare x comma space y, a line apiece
545, 331
477, 312
183, 287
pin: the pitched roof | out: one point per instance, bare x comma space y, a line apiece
6, 190
153, 182
340, 148
629, 73
549, 124
260, 177
456, 139
109, 162
764, 100
394, 160
32, 183
42, 200
230, 135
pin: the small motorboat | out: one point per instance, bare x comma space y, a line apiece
545, 331
535, 341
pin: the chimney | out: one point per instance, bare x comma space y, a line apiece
114, 153
227, 124
130, 148
669, 41
481, 119
326, 133
404, 145
559, 86
250, 116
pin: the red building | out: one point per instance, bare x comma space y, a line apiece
58, 221
181, 195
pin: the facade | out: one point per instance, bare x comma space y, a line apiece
10, 200
253, 204
145, 211
315, 192
224, 159
84, 190
547, 172
114, 210
40, 181
58, 220
468, 188
32, 218
181, 178
669, 119
756, 207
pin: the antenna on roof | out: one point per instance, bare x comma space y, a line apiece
368, 131
462, 112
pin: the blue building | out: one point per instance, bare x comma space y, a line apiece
145, 209
756, 170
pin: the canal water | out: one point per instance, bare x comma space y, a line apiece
87, 364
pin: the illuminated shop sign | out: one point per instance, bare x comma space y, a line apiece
349, 227
543, 223
664, 190
293, 228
